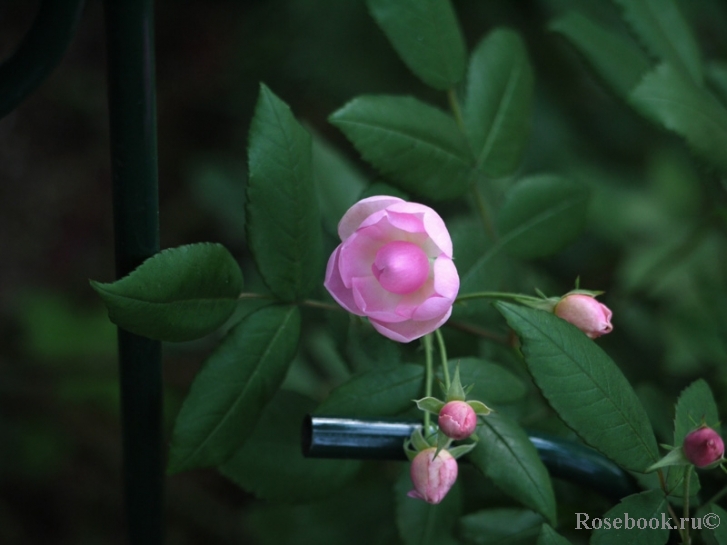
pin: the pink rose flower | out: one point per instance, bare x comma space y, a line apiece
703, 447
584, 312
394, 266
457, 420
432, 477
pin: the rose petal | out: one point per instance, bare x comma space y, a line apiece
409, 330
335, 286
355, 215
374, 301
432, 308
406, 222
359, 251
433, 224
446, 278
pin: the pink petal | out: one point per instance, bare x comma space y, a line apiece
410, 223
355, 215
374, 301
335, 286
446, 278
409, 330
432, 308
358, 252
433, 224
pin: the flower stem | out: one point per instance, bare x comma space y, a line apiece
498, 295
307, 303
662, 483
685, 513
427, 341
443, 355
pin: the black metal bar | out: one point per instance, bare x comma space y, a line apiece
132, 116
40, 51
333, 437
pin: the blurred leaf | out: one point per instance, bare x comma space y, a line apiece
716, 535
427, 37
283, 219
541, 215
619, 62
584, 386
695, 406
421, 523
382, 188
672, 101
548, 536
717, 79
675, 481
367, 349
646, 505
492, 383
234, 385
664, 33
378, 392
506, 455
417, 145
179, 294
499, 102
500, 526
271, 464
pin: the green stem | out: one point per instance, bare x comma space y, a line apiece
483, 211
498, 295
662, 483
685, 512
307, 303
443, 355
427, 340
717, 496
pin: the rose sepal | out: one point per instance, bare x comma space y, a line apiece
675, 457
430, 404
480, 408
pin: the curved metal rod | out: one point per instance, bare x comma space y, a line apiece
333, 437
40, 51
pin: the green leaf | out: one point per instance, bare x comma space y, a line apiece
506, 455
179, 294
367, 349
714, 514
271, 465
283, 220
618, 61
421, 523
232, 388
500, 526
541, 215
548, 536
664, 33
416, 145
647, 505
378, 392
695, 406
499, 102
584, 386
672, 101
427, 37
491, 382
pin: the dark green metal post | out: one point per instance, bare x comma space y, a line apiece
132, 114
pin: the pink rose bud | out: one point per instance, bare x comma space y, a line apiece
394, 266
703, 447
584, 312
432, 477
457, 420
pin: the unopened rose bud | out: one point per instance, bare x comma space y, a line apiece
457, 420
432, 477
584, 312
703, 447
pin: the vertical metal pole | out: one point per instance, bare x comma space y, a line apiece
132, 115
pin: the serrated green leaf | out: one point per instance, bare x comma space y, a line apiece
672, 101
271, 464
283, 219
647, 505
500, 526
418, 147
506, 455
179, 294
713, 535
499, 102
619, 62
696, 405
548, 536
427, 37
541, 215
378, 392
491, 382
421, 523
584, 386
664, 33
232, 388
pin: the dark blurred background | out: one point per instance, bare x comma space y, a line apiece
59, 432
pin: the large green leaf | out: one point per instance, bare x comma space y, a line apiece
416, 145
378, 392
664, 33
677, 104
283, 220
506, 455
646, 505
548, 536
421, 523
491, 383
714, 530
618, 61
234, 385
179, 294
500, 526
498, 105
695, 406
271, 464
584, 386
541, 215
367, 349
427, 37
